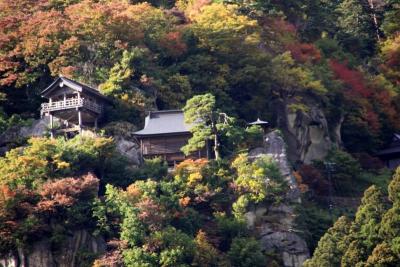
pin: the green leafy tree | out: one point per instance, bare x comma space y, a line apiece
207, 123
246, 252
259, 179
391, 21
356, 29
293, 80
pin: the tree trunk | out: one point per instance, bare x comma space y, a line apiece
374, 18
216, 142
216, 147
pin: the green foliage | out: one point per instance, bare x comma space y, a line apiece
332, 245
364, 231
346, 172
292, 79
370, 240
391, 21
313, 220
209, 124
246, 57
200, 111
155, 168
260, 179
246, 252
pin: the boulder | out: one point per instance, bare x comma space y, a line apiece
38, 128
129, 149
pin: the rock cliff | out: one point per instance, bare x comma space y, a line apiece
276, 223
73, 252
307, 132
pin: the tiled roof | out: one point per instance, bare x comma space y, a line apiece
74, 85
394, 147
164, 122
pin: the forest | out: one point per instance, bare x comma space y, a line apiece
241, 58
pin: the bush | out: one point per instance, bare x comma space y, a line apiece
246, 252
155, 168
346, 172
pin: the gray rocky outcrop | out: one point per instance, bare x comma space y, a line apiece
275, 224
68, 254
17, 133
129, 149
307, 132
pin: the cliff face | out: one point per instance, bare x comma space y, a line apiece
276, 223
77, 248
307, 132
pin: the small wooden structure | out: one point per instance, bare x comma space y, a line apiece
164, 134
263, 124
74, 104
391, 155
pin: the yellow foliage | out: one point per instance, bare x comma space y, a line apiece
220, 27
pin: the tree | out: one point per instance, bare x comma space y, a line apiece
206, 255
364, 231
207, 123
257, 179
331, 246
292, 79
220, 28
391, 22
246, 252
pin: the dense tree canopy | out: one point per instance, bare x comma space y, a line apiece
223, 62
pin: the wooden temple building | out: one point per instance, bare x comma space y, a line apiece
391, 155
74, 105
164, 134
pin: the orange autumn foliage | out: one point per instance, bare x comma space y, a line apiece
65, 192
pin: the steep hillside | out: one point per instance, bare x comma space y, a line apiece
325, 74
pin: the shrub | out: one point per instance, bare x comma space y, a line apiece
246, 252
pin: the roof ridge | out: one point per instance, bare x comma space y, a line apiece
80, 83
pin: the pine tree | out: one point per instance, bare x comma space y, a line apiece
331, 246
364, 231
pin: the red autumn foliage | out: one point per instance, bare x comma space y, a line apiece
369, 162
314, 179
65, 192
151, 213
353, 79
304, 52
174, 44
302, 186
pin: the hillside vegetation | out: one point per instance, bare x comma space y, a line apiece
240, 58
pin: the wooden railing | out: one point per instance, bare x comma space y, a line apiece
71, 103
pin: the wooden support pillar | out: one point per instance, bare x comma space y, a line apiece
51, 126
80, 121
95, 123
65, 99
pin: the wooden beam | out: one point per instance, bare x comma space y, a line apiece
51, 126
80, 121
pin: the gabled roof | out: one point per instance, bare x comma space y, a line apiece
394, 147
165, 122
74, 85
